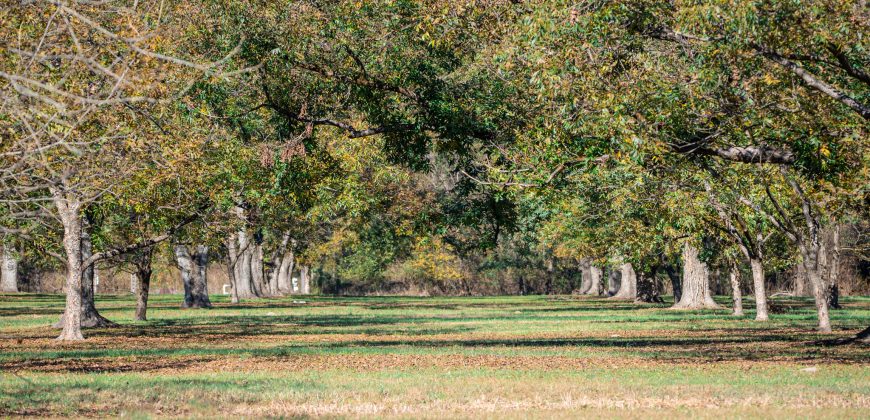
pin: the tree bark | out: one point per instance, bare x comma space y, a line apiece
695, 283
676, 281
8, 270
72, 239
278, 264
243, 279
143, 283
304, 280
595, 278
627, 284
832, 269
736, 295
285, 274
646, 289
585, 276
257, 278
810, 260
185, 265
89, 316
614, 281
199, 282
759, 289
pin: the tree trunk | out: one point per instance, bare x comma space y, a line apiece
304, 280
695, 282
736, 295
759, 289
185, 264
627, 284
199, 282
89, 316
595, 277
676, 281
646, 290
257, 278
585, 276
143, 284
8, 269
548, 283
278, 265
285, 274
243, 279
810, 257
232, 261
71, 322
833, 270
614, 281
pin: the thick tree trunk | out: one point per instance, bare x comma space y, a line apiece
232, 261
628, 283
736, 295
257, 278
304, 280
243, 278
143, 284
695, 282
595, 279
285, 274
585, 276
614, 281
90, 317
8, 269
194, 276
278, 264
646, 288
72, 240
810, 257
199, 282
759, 289
185, 265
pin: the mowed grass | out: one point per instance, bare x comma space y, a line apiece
530, 356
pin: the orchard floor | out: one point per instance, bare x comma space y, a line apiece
516, 357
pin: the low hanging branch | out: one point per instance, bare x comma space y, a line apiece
111, 253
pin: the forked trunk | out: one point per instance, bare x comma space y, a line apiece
695, 282
627, 284
8, 269
736, 295
759, 289
89, 316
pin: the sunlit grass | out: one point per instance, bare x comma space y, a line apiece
432, 357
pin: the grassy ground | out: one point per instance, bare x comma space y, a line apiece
432, 357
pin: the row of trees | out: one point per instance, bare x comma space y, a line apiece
453, 144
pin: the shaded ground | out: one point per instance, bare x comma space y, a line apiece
432, 357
